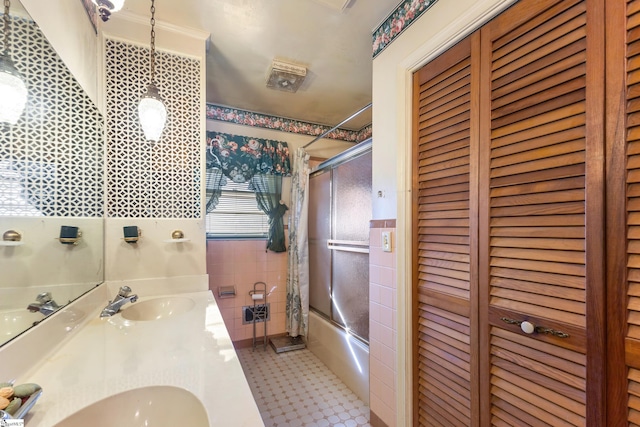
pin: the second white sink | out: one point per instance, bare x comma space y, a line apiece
154, 406
158, 308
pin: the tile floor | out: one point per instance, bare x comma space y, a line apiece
309, 396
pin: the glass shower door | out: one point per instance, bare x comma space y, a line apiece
339, 215
350, 245
319, 235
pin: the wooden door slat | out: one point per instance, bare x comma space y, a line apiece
572, 183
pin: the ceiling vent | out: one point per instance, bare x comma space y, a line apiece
285, 76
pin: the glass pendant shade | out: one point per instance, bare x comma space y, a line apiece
13, 92
153, 114
112, 5
107, 7
117, 5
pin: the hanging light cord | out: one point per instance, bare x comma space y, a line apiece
153, 42
7, 4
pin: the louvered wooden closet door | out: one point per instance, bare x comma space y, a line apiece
537, 134
445, 255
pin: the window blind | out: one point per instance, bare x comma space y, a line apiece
237, 214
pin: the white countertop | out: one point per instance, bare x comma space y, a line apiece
110, 355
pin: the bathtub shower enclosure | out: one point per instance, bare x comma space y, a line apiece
339, 215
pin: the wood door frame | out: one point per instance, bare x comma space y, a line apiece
414, 252
484, 157
595, 216
474, 226
616, 212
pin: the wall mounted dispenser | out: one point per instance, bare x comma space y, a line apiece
132, 233
69, 235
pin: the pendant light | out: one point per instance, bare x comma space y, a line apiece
13, 92
152, 112
107, 7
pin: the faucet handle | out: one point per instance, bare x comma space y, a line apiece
44, 297
124, 291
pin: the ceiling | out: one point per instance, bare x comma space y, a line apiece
246, 35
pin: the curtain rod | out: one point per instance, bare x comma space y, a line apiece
338, 125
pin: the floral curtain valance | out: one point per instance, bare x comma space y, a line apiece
262, 162
241, 157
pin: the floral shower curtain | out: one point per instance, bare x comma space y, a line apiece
297, 310
262, 162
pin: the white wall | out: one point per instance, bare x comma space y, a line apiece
155, 254
42, 263
437, 29
136, 29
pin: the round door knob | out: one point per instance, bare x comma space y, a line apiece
527, 327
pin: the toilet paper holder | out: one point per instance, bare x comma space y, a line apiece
226, 291
259, 293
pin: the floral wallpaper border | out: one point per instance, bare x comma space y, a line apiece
403, 16
365, 133
249, 118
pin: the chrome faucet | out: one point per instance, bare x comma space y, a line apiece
45, 304
121, 299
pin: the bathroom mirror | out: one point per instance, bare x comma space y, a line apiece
51, 181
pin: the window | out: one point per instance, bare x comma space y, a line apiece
237, 214
15, 202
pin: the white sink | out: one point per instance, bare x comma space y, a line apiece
16, 321
158, 308
153, 406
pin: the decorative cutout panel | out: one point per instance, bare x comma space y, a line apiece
145, 179
51, 160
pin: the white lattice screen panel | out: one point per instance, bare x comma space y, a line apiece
144, 179
51, 161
